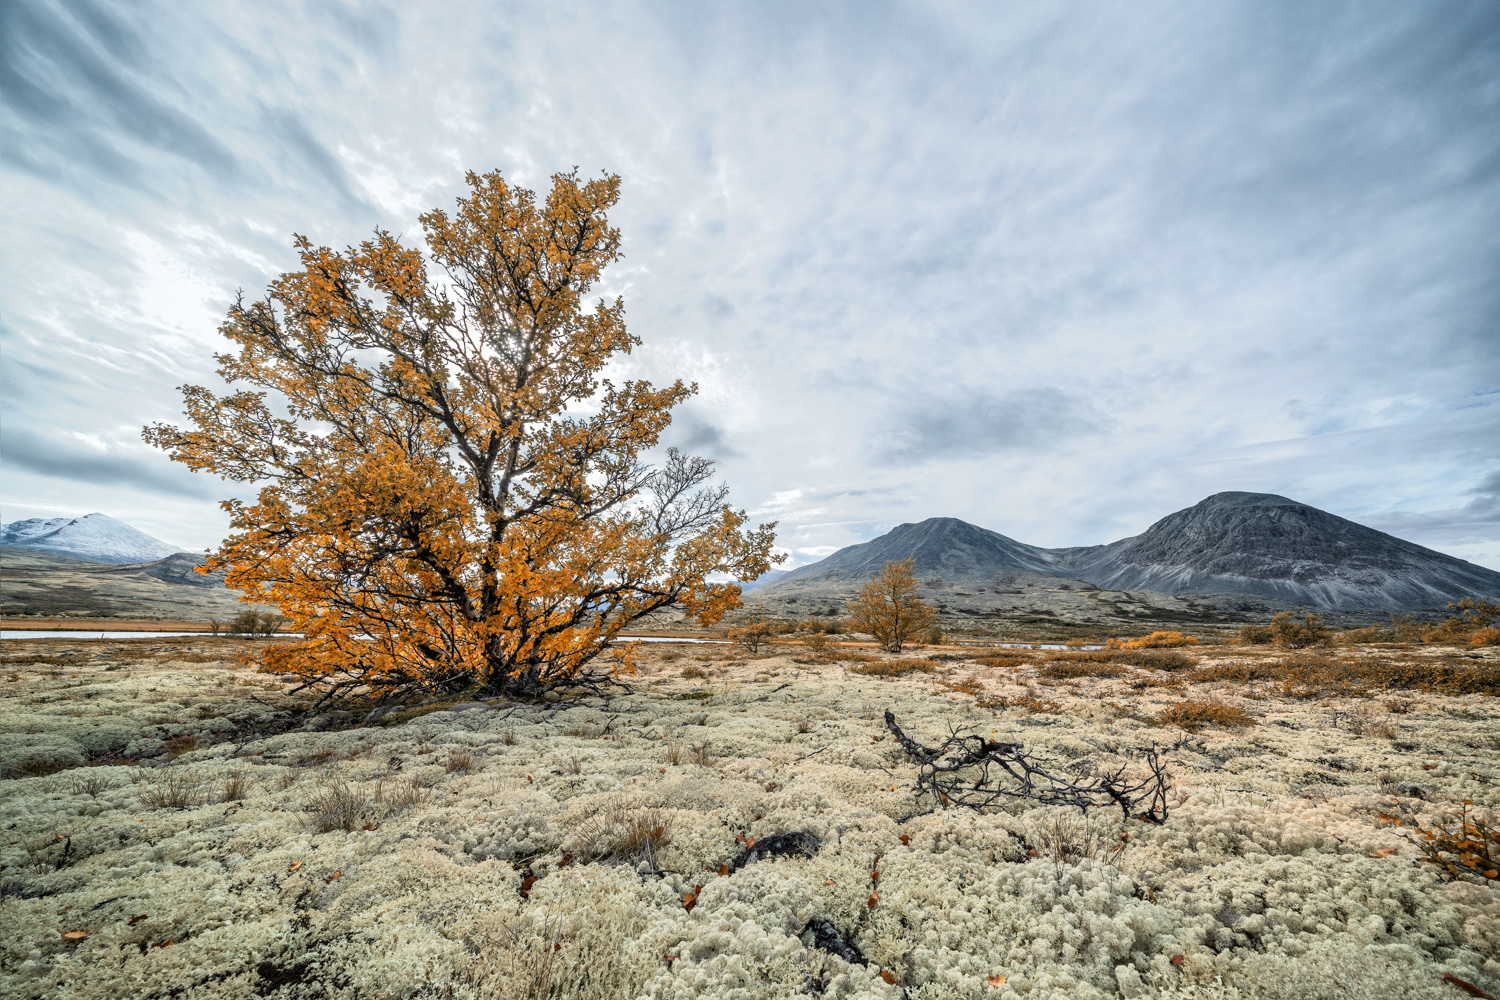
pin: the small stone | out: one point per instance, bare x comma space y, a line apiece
328, 720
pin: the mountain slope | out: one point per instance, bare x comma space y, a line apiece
95, 537
1270, 546
939, 547
1244, 544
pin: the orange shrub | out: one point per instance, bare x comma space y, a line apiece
893, 668
1485, 637
1156, 640
1194, 715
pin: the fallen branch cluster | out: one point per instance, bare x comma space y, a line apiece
969, 770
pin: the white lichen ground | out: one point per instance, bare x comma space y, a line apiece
1274, 876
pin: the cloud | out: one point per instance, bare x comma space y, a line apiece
73, 77
697, 436
1475, 522
102, 466
970, 424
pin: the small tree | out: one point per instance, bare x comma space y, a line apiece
889, 610
450, 495
755, 634
1288, 632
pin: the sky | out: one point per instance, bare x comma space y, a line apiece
1058, 270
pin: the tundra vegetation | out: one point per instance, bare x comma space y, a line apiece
738, 824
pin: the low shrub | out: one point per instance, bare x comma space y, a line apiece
893, 668
1002, 660
1485, 637
1368, 634
1475, 619
1242, 671
693, 672
1026, 702
1156, 659
1085, 656
1059, 668
1194, 715
969, 686
1156, 640
1255, 635
1311, 675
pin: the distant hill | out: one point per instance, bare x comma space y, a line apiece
1243, 545
95, 537
44, 583
1269, 546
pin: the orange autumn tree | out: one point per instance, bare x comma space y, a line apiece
450, 495
889, 610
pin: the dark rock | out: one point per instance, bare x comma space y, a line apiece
827, 937
782, 845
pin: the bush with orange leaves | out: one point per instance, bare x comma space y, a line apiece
1471, 848
438, 509
1156, 640
1476, 624
1194, 715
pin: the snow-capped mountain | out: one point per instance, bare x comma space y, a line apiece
95, 537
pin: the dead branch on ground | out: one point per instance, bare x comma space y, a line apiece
969, 770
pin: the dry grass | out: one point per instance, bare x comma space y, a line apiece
694, 673
235, 785
703, 754
622, 832
460, 761
338, 807
170, 788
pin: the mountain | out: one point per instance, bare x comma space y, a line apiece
96, 537
940, 548
1250, 545
1269, 546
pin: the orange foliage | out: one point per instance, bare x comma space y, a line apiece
1194, 715
1156, 640
889, 610
449, 492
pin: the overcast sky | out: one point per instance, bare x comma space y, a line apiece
1055, 269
